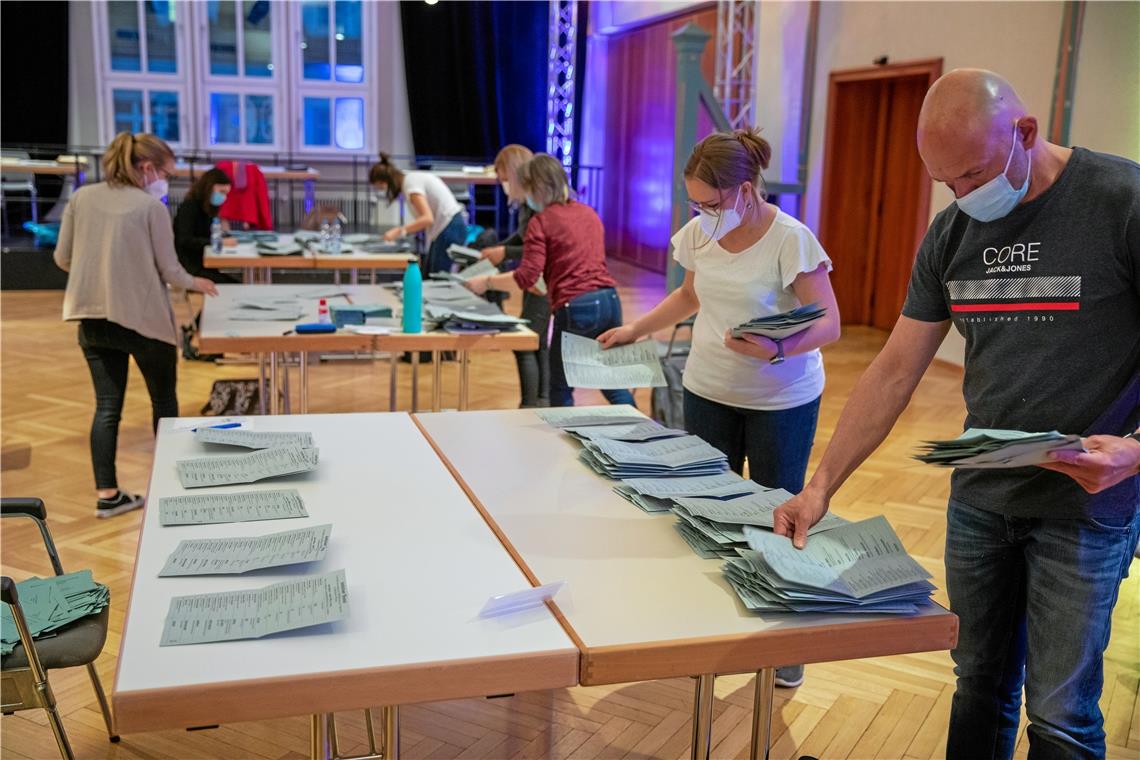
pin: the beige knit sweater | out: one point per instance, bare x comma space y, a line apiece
117, 244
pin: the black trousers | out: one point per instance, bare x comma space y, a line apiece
108, 346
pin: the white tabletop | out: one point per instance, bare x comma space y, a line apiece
217, 311
420, 563
247, 254
641, 602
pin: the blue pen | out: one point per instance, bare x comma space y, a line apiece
226, 426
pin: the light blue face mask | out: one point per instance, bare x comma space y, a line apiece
534, 206
997, 197
217, 198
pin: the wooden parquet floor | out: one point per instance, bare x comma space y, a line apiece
891, 707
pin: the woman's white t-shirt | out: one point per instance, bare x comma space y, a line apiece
736, 287
440, 199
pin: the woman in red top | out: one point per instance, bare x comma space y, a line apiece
565, 243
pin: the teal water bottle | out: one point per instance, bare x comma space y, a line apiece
413, 299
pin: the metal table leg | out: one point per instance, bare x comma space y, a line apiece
393, 372
287, 392
463, 380
274, 401
703, 717
390, 744
318, 738
352, 276
334, 746
436, 381
262, 389
304, 379
762, 713
415, 381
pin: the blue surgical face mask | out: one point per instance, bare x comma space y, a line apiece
997, 197
217, 198
534, 205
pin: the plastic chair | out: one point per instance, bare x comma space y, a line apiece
23, 673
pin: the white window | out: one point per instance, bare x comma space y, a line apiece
243, 77
142, 50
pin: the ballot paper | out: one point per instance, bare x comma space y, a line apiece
288, 314
232, 556
246, 468
668, 457
653, 497
858, 567
268, 303
287, 248
781, 325
463, 255
251, 439
51, 603
647, 430
569, 416
481, 268
715, 527
246, 506
980, 448
631, 366
251, 614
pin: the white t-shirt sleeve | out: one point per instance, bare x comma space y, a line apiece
683, 246
800, 252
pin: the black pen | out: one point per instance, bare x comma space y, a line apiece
287, 332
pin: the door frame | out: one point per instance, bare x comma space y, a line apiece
931, 68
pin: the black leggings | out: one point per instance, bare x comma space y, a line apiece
108, 346
534, 366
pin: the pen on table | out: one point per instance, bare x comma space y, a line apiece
287, 332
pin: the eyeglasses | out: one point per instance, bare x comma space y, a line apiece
701, 208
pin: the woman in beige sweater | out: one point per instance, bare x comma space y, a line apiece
117, 244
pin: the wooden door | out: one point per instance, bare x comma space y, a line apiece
875, 201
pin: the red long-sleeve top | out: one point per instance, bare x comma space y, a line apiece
565, 243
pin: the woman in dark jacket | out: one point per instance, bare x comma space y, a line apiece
192, 223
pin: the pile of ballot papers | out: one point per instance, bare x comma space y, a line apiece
715, 527
663, 494
563, 417
997, 449
858, 567
685, 456
781, 325
228, 469
51, 603
467, 322
269, 309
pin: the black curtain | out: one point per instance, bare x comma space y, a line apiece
34, 59
476, 75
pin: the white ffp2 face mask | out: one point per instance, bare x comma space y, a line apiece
997, 197
717, 225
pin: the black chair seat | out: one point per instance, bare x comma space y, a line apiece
75, 644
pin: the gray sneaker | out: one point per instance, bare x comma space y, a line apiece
122, 502
790, 676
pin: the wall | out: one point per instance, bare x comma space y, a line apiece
83, 94
610, 16
1106, 103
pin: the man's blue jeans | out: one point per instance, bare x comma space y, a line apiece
1035, 599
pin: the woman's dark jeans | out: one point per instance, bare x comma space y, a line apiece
588, 315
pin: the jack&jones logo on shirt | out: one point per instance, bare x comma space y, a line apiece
1013, 299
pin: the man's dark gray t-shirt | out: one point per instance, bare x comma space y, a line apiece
1048, 300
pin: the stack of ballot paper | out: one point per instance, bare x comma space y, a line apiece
631, 366
858, 567
781, 325
714, 527
253, 613
266, 309
231, 556
662, 494
287, 248
480, 268
568, 416
246, 468
638, 432
51, 603
466, 322
663, 458
252, 439
980, 449
463, 255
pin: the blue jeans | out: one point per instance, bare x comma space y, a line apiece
454, 232
777, 444
588, 315
1040, 586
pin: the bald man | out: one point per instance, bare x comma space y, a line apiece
1037, 264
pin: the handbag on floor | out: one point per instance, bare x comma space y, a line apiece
233, 398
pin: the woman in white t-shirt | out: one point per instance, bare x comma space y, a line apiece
437, 213
753, 398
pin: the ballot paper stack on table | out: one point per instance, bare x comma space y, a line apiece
685, 456
270, 309
51, 603
662, 494
859, 567
469, 322
277, 454
568, 416
980, 449
715, 527
781, 325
